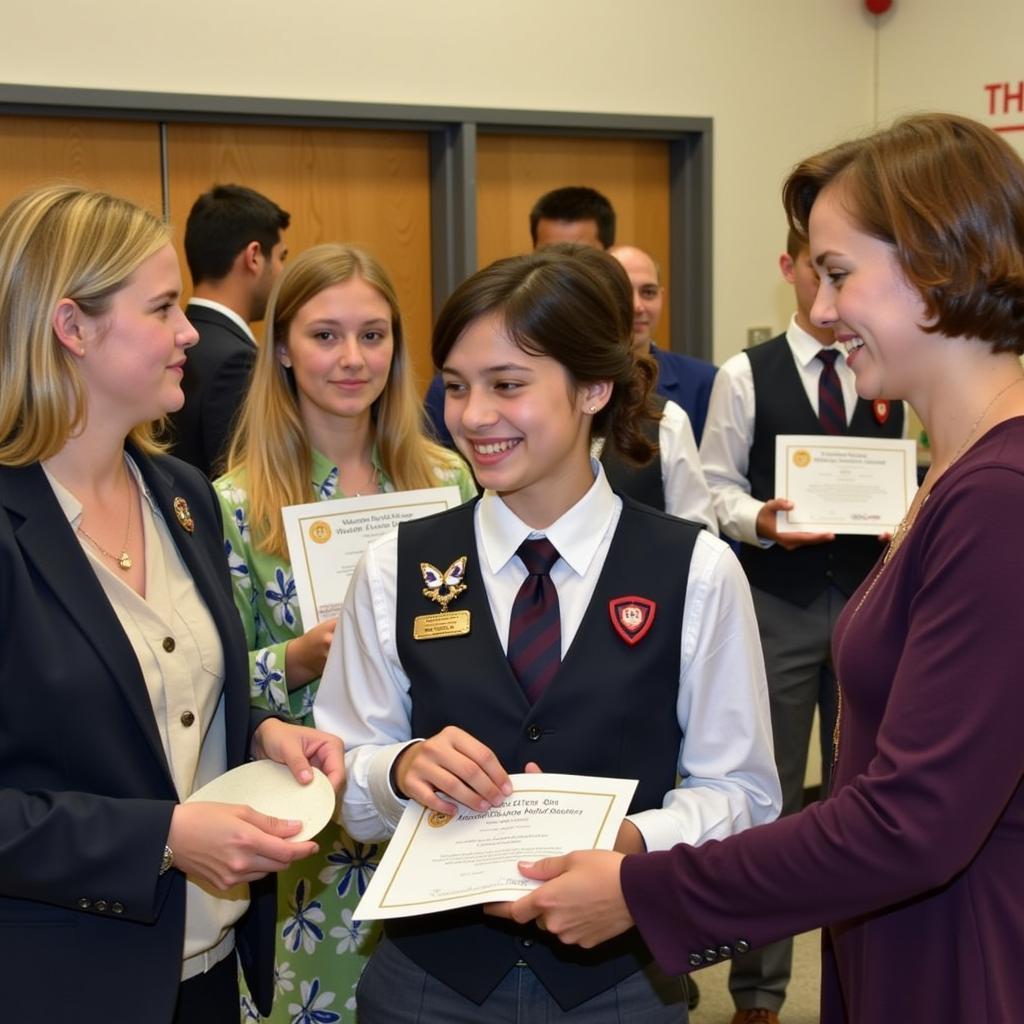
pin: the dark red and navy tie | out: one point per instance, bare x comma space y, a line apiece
535, 630
831, 408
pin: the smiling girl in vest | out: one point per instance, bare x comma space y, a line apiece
647, 665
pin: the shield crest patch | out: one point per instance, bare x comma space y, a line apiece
632, 617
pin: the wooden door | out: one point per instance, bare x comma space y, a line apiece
122, 157
367, 188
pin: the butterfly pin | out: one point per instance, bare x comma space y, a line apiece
444, 587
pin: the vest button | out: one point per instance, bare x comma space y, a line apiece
84, 904
741, 946
100, 905
710, 956
168, 644
696, 960
534, 733
117, 908
187, 718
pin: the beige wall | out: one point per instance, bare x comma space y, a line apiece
940, 55
780, 78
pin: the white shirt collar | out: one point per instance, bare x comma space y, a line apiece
805, 347
72, 507
225, 311
577, 534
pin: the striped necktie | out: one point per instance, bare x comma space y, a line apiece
535, 630
831, 408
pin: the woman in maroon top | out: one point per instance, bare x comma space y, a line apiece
915, 864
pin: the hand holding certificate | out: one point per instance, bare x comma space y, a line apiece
853, 485
440, 862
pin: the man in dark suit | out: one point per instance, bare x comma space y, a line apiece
235, 250
681, 379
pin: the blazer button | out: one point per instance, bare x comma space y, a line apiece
710, 956
187, 718
725, 952
696, 960
742, 946
84, 904
534, 733
117, 908
101, 905
169, 644
526, 943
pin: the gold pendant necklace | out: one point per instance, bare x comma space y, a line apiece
124, 560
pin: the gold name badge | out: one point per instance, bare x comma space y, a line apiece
440, 624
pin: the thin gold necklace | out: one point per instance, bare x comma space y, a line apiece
123, 560
898, 536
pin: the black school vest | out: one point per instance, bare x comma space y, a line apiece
641, 483
781, 407
611, 711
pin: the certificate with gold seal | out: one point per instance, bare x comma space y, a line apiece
842, 484
327, 538
440, 862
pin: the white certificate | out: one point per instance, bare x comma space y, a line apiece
436, 862
327, 538
844, 484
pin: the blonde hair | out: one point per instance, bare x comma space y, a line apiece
60, 242
270, 446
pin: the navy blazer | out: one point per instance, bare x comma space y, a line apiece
215, 382
687, 382
86, 795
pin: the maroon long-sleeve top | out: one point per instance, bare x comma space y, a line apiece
916, 862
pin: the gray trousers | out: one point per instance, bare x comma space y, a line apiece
798, 662
394, 990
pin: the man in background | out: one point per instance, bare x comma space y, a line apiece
234, 246
681, 379
573, 214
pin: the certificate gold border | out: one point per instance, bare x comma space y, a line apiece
430, 507
384, 904
902, 452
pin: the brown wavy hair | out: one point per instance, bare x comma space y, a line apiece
948, 194
564, 301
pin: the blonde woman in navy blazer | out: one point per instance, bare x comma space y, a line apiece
96, 845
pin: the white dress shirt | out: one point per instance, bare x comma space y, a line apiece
729, 430
227, 311
682, 478
725, 760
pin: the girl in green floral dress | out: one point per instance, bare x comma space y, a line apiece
331, 412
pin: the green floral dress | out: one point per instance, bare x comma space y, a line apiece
321, 950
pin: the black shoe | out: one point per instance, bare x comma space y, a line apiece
692, 992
